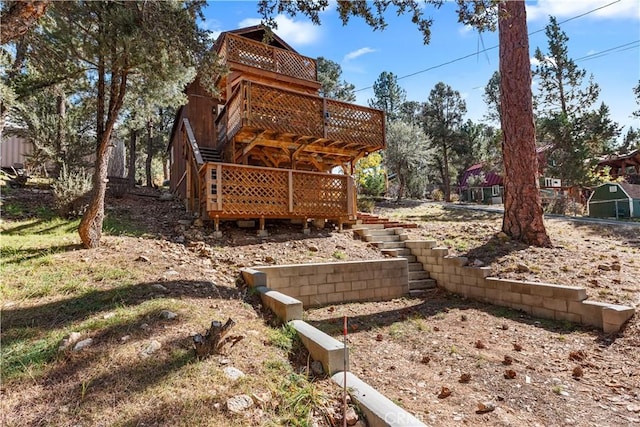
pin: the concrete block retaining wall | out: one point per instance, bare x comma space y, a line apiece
538, 299
319, 284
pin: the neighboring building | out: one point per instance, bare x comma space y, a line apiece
14, 152
266, 146
623, 165
487, 191
491, 190
615, 200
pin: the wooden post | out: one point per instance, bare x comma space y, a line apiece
351, 196
219, 186
290, 191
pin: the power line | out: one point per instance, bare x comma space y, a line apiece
496, 46
627, 46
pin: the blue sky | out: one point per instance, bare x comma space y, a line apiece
606, 43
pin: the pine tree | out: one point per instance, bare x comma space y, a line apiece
388, 95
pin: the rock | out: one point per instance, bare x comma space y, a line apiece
234, 374
633, 407
159, 287
168, 315
198, 222
351, 416
522, 268
179, 239
312, 248
72, 338
477, 263
269, 260
316, 368
604, 267
165, 197
238, 404
151, 348
502, 236
484, 407
616, 267
109, 315
263, 398
143, 258
82, 344
185, 222
125, 338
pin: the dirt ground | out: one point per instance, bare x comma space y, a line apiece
441, 357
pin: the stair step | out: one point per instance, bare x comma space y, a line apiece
389, 238
422, 284
367, 226
382, 231
388, 245
418, 275
415, 266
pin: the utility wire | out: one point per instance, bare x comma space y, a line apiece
496, 46
627, 46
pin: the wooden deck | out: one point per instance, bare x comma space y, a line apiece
266, 125
235, 191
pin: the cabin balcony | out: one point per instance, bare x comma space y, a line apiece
236, 191
257, 61
268, 126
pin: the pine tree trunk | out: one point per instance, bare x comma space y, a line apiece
90, 228
523, 214
149, 153
446, 179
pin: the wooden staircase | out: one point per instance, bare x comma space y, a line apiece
390, 241
370, 219
210, 154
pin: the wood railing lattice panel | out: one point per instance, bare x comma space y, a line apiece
237, 191
270, 58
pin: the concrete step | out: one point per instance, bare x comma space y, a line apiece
381, 231
415, 266
422, 284
367, 227
418, 275
389, 238
410, 258
388, 245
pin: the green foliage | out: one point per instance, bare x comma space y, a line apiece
284, 338
405, 153
329, 76
443, 117
70, 192
579, 135
366, 204
370, 176
491, 97
388, 95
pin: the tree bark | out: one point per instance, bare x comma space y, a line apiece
20, 17
446, 179
131, 176
147, 167
523, 214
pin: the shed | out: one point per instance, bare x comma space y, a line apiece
615, 200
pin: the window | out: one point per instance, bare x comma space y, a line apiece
495, 190
613, 189
548, 182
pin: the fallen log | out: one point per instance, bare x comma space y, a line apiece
215, 339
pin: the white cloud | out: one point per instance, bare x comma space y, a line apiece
592, 52
356, 53
569, 8
465, 29
534, 61
296, 33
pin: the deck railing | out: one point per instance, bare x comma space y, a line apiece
269, 108
270, 58
237, 191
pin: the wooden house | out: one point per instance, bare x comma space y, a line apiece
268, 146
623, 165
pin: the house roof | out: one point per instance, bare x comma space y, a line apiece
490, 178
257, 33
633, 190
618, 159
